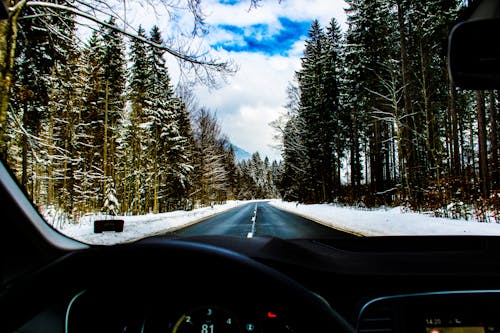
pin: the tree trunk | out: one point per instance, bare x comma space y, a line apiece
105, 145
483, 158
8, 37
155, 193
494, 142
407, 125
24, 149
431, 159
50, 164
455, 149
461, 134
355, 172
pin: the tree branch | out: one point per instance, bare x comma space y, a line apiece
218, 66
20, 5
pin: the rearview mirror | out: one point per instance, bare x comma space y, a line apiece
474, 54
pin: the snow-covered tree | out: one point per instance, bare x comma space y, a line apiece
112, 107
133, 129
197, 62
313, 136
210, 173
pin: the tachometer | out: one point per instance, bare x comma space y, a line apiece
207, 320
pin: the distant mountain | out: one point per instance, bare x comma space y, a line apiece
241, 154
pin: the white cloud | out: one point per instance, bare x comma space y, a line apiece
297, 50
252, 99
270, 10
248, 128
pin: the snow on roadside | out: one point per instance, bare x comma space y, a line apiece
376, 222
386, 222
140, 226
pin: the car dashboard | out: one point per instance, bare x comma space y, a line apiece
472, 311
223, 284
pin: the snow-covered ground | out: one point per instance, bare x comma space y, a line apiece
387, 222
366, 222
140, 226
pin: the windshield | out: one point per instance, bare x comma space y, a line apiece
245, 118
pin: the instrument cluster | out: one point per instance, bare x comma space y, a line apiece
98, 311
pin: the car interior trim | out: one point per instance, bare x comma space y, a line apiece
68, 310
56, 239
424, 294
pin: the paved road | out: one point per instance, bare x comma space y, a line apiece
269, 221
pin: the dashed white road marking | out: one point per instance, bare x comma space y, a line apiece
254, 219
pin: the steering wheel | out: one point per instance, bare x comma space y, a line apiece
168, 285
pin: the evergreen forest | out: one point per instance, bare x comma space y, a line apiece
373, 118
97, 127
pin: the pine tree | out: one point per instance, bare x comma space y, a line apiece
45, 105
113, 105
337, 133
316, 116
35, 58
64, 109
89, 172
319, 120
135, 135
353, 93
180, 157
258, 179
164, 132
292, 185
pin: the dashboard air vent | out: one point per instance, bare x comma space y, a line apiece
376, 318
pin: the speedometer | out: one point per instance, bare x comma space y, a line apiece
207, 320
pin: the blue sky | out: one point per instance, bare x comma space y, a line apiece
263, 38
229, 2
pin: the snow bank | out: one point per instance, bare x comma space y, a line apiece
140, 226
376, 222
386, 222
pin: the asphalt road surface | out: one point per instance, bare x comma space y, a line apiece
260, 219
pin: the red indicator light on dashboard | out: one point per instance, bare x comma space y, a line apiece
274, 315
435, 331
